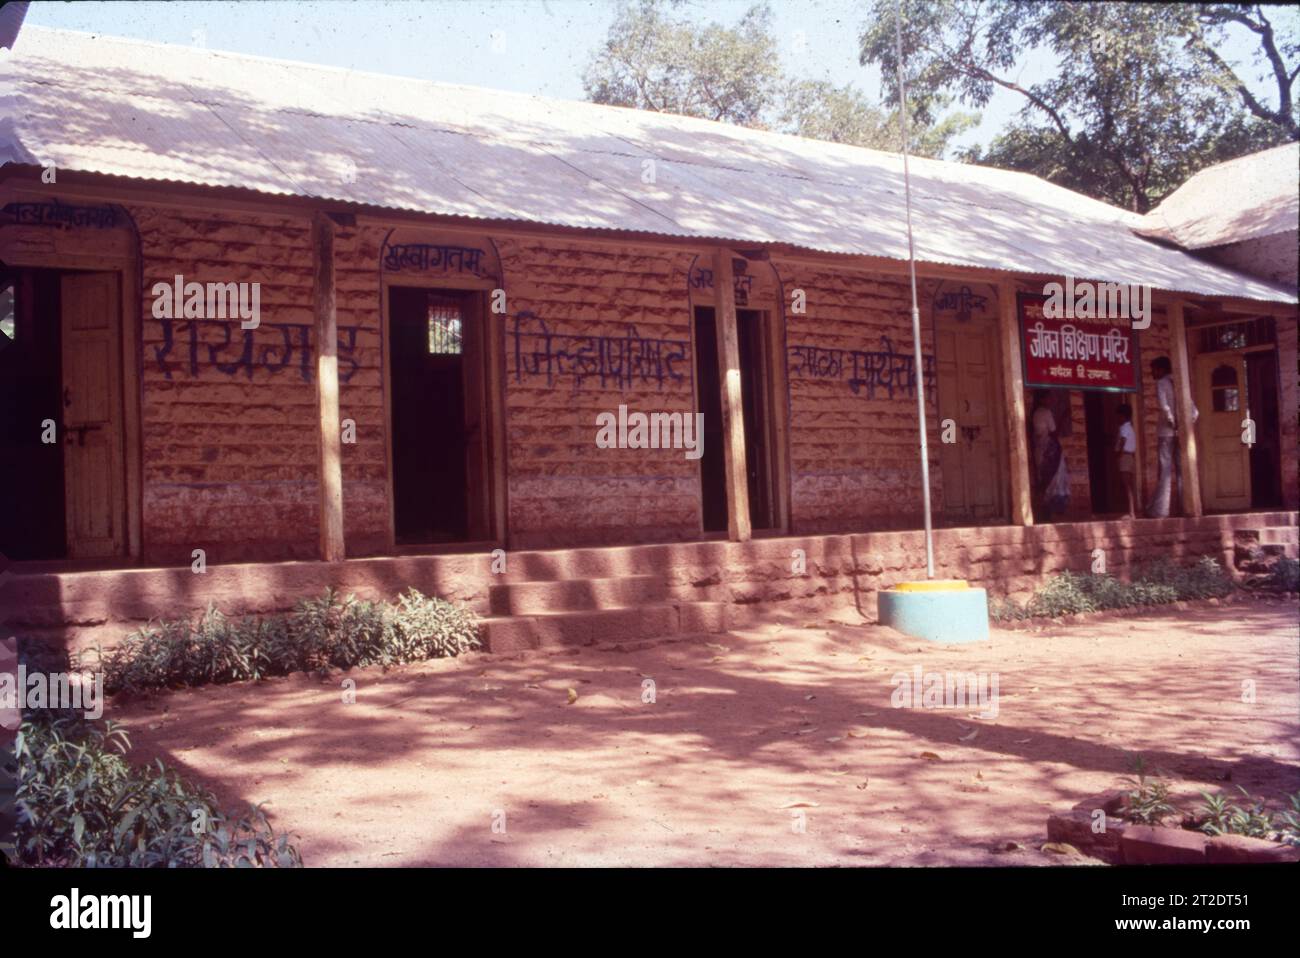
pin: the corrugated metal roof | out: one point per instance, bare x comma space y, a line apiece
1246, 198
161, 112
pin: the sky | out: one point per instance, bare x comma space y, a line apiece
528, 46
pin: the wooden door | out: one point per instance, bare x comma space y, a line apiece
1224, 458
967, 389
92, 416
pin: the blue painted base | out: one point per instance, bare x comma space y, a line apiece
960, 615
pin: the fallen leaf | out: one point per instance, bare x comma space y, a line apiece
1060, 848
573, 696
930, 756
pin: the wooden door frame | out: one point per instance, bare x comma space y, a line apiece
130, 382
773, 390
494, 378
1220, 354
776, 399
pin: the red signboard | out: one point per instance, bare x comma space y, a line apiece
1076, 353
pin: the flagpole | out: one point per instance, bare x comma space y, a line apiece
916, 312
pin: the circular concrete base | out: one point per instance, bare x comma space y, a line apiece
955, 614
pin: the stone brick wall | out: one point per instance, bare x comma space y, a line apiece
229, 430
563, 490
229, 447
854, 459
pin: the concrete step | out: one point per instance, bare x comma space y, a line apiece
1279, 535
557, 629
612, 561
574, 595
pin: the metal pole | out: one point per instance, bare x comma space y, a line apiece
916, 312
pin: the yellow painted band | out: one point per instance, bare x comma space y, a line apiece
932, 585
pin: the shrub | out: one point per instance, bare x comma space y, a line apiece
431, 628
1158, 583
1253, 819
79, 803
1285, 575
1148, 801
321, 633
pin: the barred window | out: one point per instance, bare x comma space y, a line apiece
444, 327
1242, 335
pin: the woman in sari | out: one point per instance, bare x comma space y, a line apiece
1051, 478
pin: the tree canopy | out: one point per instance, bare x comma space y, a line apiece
1138, 99
654, 58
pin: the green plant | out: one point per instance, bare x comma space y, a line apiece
1158, 583
1285, 575
431, 628
330, 631
1252, 819
79, 803
1148, 800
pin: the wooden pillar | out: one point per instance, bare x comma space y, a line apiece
733, 419
1013, 393
1187, 458
327, 390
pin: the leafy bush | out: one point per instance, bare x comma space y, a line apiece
431, 628
1158, 583
79, 803
321, 633
1253, 819
1148, 801
1285, 575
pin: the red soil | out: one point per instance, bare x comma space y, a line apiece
748, 730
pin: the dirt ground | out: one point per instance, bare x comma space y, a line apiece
776, 745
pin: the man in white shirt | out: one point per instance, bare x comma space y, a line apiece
1126, 449
1170, 480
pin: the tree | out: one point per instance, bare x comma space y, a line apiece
652, 60
1138, 101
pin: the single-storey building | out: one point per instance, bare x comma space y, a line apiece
275, 311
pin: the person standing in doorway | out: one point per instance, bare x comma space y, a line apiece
1170, 481
1126, 449
1050, 474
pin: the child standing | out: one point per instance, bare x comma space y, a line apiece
1126, 447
